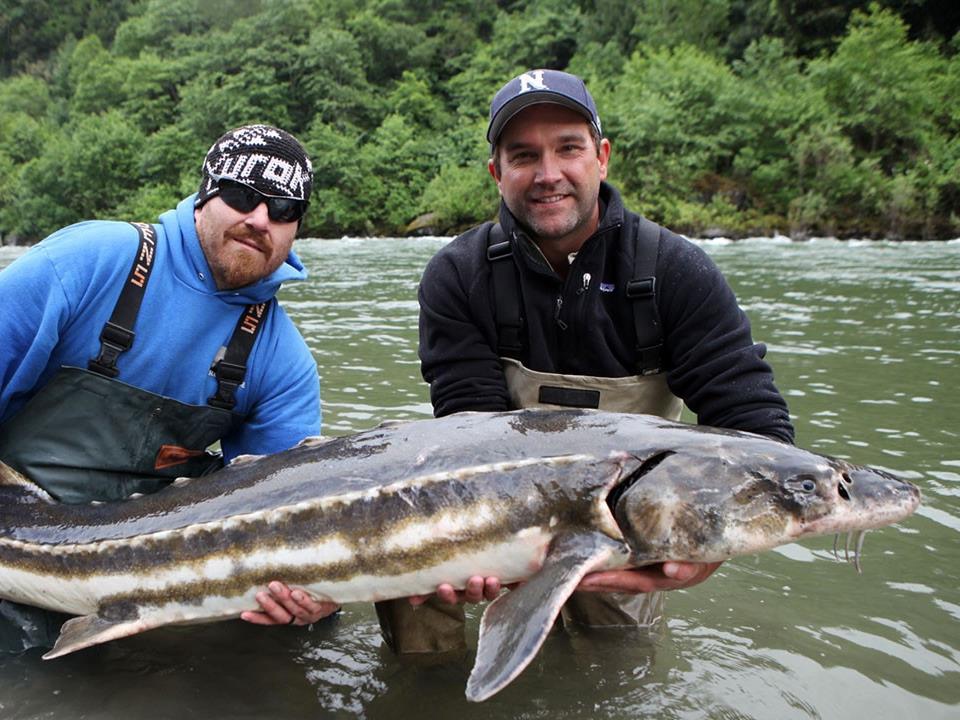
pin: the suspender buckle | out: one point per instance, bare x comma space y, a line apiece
229, 378
114, 340
642, 287
229, 372
648, 360
499, 251
116, 336
509, 344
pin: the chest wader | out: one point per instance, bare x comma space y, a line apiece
638, 394
437, 627
645, 392
88, 436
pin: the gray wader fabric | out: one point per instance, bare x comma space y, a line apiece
433, 628
429, 629
647, 394
86, 437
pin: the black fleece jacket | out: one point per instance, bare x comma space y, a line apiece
584, 324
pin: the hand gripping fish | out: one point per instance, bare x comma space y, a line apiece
539, 497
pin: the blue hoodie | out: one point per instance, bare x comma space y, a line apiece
58, 295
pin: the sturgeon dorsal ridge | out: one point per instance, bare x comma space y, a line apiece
515, 625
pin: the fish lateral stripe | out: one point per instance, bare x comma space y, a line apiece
537, 496
348, 515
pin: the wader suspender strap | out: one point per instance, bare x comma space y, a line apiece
232, 367
117, 334
642, 290
506, 295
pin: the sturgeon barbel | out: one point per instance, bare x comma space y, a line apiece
538, 496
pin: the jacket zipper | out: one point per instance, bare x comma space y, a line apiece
556, 316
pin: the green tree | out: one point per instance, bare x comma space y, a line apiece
883, 86
747, 115
397, 165
26, 94
97, 77
459, 196
333, 80
162, 26
31, 31
83, 173
672, 126
701, 23
334, 209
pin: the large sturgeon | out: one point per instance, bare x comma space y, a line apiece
538, 496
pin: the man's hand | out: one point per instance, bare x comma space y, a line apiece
664, 576
478, 589
281, 606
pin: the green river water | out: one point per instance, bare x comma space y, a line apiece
865, 341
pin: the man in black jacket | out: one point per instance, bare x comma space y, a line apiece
572, 300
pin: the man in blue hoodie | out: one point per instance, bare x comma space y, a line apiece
129, 349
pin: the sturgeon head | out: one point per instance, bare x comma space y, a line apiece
705, 495
732, 494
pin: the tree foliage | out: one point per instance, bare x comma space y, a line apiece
735, 116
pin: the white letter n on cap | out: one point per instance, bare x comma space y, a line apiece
532, 81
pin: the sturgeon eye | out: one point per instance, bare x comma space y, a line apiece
802, 484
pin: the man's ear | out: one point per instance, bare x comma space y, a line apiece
603, 157
492, 169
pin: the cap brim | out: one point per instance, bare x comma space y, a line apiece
536, 97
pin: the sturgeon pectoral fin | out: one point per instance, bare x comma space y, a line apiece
83, 632
515, 625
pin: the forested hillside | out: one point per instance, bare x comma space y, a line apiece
734, 116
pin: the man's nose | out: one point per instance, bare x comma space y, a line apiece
258, 217
548, 170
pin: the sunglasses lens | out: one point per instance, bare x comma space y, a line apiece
245, 199
285, 209
240, 197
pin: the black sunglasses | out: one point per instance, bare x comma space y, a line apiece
244, 198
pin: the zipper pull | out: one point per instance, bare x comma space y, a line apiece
556, 315
586, 284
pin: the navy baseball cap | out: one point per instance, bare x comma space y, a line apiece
540, 86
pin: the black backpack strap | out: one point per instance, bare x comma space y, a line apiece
231, 369
506, 294
117, 334
642, 291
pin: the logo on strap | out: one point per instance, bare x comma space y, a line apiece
144, 261
251, 318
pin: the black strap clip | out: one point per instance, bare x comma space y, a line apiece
642, 288
499, 251
229, 378
509, 344
114, 340
649, 360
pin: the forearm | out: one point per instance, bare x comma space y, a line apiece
714, 364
